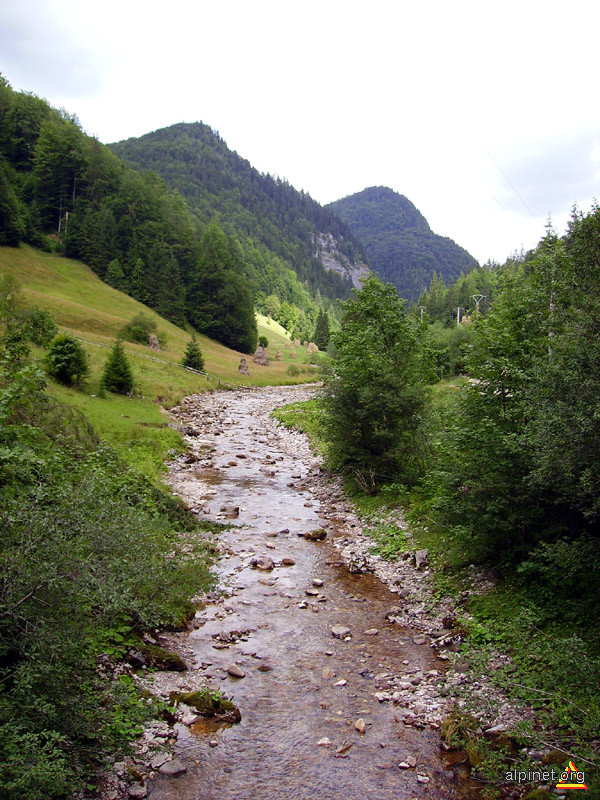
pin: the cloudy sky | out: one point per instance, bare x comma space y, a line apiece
484, 114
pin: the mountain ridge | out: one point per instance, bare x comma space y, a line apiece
401, 246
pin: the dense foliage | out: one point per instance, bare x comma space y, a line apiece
88, 554
373, 396
519, 466
399, 242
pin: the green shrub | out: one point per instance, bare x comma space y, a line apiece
138, 330
263, 341
292, 370
66, 360
117, 376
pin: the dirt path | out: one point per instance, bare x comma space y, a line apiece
307, 692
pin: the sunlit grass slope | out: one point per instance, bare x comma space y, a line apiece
82, 304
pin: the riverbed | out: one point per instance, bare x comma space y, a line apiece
337, 698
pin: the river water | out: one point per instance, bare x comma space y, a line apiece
301, 684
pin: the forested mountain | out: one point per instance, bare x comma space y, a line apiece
275, 223
401, 246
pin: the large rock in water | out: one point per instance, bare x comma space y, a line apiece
260, 357
243, 367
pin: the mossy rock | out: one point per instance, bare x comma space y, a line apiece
208, 704
159, 658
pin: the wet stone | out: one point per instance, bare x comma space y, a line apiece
172, 768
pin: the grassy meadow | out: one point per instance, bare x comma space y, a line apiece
94, 312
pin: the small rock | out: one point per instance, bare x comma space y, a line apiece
423, 779
315, 536
411, 761
324, 742
372, 632
343, 682
235, 671
263, 563
287, 562
312, 592
339, 631
172, 768
360, 725
421, 559
387, 765
421, 639
213, 742
265, 668
317, 582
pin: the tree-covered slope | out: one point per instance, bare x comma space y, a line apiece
267, 214
401, 246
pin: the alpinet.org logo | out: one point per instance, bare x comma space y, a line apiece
572, 778
569, 778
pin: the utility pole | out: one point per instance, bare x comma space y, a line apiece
422, 309
478, 298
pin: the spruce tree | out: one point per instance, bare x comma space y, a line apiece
322, 332
117, 376
193, 356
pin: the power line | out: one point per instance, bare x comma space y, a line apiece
501, 171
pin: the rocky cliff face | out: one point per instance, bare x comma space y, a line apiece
329, 254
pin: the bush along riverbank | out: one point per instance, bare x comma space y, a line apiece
94, 560
519, 702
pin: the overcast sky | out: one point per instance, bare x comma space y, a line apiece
484, 114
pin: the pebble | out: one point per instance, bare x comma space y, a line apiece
339, 631
372, 632
343, 682
324, 742
360, 725
235, 671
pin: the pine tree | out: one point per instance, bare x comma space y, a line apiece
322, 332
193, 355
117, 376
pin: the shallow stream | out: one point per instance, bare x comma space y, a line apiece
301, 684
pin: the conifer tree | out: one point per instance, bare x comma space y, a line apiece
322, 332
193, 355
117, 376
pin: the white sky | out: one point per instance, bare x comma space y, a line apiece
484, 114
